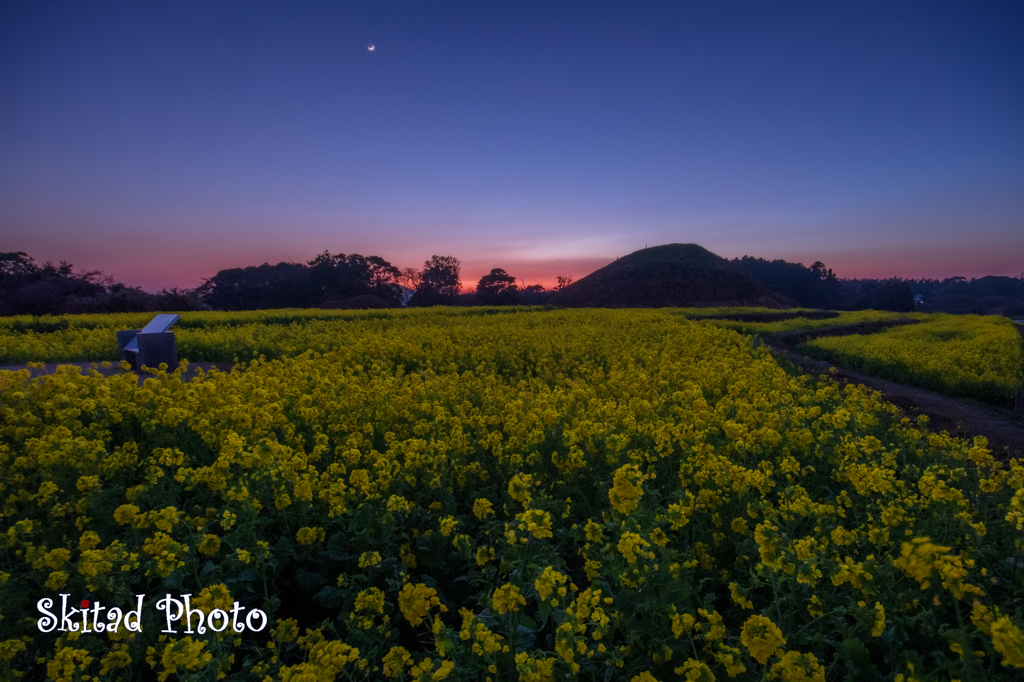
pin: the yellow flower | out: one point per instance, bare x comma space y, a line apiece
368, 559
370, 600
165, 519
307, 535
548, 582
682, 623
287, 630
534, 669
797, 667
631, 545
716, 631
55, 558
117, 659
918, 559
368, 603
126, 514
740, 600
415, 601
626, 488
695, 671
65, 662
10, 648
443, 671
448, 524
762, 638
397, 503
507, 598
216, 596
57, 580
659, 538
89, 539
482, 508
395, 661
185, 654
842, 536
879, 626
87, 484
921, 558
519, 488
168, 554
483, 555
730, 658
537, 522
210, 545
406, 556
1008, 640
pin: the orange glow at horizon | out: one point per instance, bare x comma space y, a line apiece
527, 273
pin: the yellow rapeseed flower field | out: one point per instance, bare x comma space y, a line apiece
967, 355
495, 495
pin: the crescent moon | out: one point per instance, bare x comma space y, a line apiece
370, 48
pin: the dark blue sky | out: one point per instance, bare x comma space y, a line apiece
161, 142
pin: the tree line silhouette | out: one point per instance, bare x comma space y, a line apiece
356, 281
338, 280
818, 287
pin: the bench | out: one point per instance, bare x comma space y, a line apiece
150, 345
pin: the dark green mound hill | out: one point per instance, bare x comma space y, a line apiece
669, 276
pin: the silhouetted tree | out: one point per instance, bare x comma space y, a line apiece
497, 288
298, 285
179, 299
813, 287
535, 294
439, 282
563, 282
16, 264
1012, 287
340, 277
47, 289
410, 278
860, 295
260, 287
895, 295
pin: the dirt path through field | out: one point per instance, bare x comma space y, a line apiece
1004, 429
793, 339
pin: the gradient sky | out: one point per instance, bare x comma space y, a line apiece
162, 142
